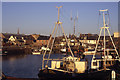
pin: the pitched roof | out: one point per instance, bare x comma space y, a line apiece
92, 38
18, 36
35, 36
29, 37
6, 35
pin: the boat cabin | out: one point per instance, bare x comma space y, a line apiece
70, 64
95, 64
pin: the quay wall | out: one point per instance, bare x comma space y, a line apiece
16, 50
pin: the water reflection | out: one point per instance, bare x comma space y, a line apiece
25, 66
22, 65
12, 57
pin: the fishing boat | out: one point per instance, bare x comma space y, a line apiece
39, 51
74, 68
63, 50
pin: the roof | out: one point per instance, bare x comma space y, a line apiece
42, 37
29, 37
35, 36
18, 36
88, 36
92, 38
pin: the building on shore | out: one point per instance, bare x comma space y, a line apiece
42, 40
88, 39
16, 39
116, 34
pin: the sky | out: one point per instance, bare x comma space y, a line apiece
119, 17
60, 0
40, 17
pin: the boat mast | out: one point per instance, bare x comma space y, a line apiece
74, 26
58, 12
105, 27
57, 24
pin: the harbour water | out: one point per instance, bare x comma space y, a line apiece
25, 66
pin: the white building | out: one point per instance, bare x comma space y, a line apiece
116, 34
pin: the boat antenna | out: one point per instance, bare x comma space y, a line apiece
77, 23
74, 26
71, 16
75, 18
77, 15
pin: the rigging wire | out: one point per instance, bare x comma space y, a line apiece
111, 29
62, 18
108, 18
66, 18
109, 24
69, 19
63, 11
77, 25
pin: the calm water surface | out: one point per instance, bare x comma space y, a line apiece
25, 66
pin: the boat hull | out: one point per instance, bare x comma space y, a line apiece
47, 74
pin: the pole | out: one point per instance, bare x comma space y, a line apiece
104, 42
58, 23
58, 12
97, 44
74, 26
52, 45
69, 46
47, 46
113, 42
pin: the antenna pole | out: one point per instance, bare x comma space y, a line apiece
74, 26
71, 16
77, 24
77, 15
